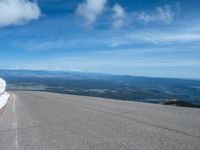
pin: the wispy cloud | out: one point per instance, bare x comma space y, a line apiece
116, 42
90, 10
119, 16
40, 44
162, 14
46, 45
164, 37
178, 35
18, 12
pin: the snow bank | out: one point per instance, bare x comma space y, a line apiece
3, 95
2, 86
3, 99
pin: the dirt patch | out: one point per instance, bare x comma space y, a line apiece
2, 110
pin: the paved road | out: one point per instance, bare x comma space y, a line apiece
47, 121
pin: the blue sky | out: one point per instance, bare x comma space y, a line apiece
137, 37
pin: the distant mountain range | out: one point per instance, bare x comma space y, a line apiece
126, 79
49, 74
125, 87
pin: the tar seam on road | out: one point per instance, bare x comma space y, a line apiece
97, 110
119, 115
138, 121
14, 124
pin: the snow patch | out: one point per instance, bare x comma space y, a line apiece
2, 86
3, 99
3, 95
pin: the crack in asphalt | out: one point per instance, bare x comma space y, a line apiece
45, 124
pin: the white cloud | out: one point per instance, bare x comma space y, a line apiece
17, 12
163, 14
119, 16
91, 9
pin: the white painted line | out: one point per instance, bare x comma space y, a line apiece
14, 124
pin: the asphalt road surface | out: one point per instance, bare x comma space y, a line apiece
48, 121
